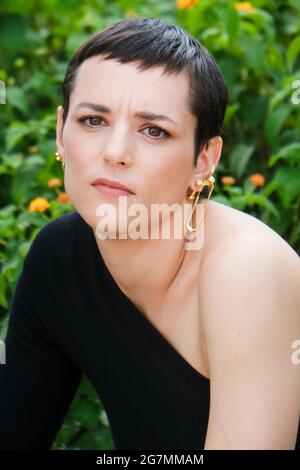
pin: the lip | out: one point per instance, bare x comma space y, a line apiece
111, 187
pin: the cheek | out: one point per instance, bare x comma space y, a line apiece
77, 149
75, 163
168, 179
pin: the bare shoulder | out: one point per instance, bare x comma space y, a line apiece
241, 251
250, 310
227, 226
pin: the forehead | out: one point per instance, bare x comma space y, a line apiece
100, 80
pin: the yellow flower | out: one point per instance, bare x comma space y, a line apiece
244, 6
181, 4
257, 179
39, 204
228, 180
54, 182
130, 13
62, 198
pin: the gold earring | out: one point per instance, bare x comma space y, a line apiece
198, 183
59, 158
195, 195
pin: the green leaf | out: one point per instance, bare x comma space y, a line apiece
278, 97
238, 202
293, 52
7, 226
16, 132
24, 181
230, 17
27, 219
255, 110
86, 414
12, 162
275, 121
4, 322
17, 99
239, 159
230, 112
254, 52
12, 34
289, 152
288, 181
263, 201
222, 199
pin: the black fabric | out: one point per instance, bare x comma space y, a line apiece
68, 317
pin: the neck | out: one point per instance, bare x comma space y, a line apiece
148, 271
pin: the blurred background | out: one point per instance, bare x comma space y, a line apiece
257, 46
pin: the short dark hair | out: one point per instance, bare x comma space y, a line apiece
150, 42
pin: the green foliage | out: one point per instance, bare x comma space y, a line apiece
86, 426
258, 53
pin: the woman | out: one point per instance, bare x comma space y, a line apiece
188, 346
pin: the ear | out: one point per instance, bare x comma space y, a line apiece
59, 129
207, 160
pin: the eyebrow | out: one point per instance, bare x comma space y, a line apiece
100, 108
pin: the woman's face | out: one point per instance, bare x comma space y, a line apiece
154, 158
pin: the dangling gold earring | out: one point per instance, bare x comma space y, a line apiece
195, 195
59, 158
192, 196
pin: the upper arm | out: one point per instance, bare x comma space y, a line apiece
251, 318
37, 381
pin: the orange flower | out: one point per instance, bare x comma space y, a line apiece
33, 149
257, 179
228, 180
54, 182
62, 198
181, 4
39, 204
244, 6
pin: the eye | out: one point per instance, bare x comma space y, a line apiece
85, 118
94, 124
165, 133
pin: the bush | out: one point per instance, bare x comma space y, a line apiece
257, 47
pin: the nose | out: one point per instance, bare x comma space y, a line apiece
117, 150
116, 159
